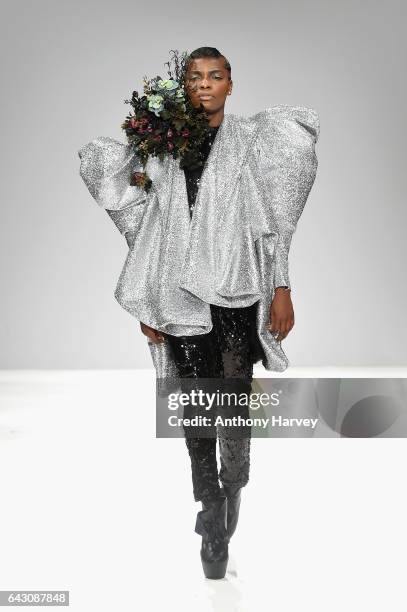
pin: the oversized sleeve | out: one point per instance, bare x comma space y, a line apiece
288, 165
106, 166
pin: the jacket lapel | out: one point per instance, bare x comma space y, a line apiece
215, 236
230, 154
221, 171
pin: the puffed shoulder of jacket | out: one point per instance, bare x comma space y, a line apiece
283, 114
285, 148
106, 167
286, 161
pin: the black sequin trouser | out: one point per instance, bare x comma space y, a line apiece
222, 360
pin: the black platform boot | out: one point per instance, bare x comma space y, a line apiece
211, 525
233, 495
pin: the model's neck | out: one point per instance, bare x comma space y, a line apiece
216, 119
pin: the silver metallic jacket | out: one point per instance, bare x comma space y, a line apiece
234, 251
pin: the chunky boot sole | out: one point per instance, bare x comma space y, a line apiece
215, 570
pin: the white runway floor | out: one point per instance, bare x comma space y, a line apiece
93, 503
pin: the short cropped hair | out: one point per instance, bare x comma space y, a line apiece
209, 52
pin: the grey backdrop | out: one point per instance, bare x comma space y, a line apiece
67, 68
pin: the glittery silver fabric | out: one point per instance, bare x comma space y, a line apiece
234, 251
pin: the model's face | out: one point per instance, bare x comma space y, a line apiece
207, 83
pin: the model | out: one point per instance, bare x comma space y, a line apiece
207, 269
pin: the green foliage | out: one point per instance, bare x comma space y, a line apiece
164, 122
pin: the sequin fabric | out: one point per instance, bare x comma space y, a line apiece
223, 360
233, 252
193, 176
228, 350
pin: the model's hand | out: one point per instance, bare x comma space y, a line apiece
155, 336
281, 316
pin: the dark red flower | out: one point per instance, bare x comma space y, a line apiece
139, 179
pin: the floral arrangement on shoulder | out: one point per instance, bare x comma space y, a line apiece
164, 122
